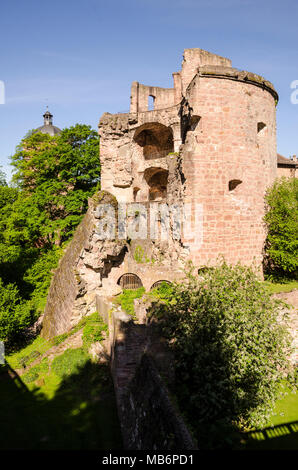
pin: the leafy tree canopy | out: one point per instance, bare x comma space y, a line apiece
56, 175
282, 222
53, 179
2, 178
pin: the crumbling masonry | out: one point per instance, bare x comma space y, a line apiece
209, 141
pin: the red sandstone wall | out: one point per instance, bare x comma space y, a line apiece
230, 117
224, 146
287, 172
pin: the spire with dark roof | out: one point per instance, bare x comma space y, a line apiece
48, 118
48, 127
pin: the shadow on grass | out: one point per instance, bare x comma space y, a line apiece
81, 415
281, 437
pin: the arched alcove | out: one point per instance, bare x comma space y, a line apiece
130, 281
155, 139
233, 184
261, 126
159, 283
157, 180
136, 193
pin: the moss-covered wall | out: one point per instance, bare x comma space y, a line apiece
65, 284
80, 271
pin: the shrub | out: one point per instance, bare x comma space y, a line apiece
15, 315
282, 222
163, 291
34, 372
60, 338
126, 299
230, 349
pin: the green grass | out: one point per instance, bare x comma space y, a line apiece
277, 287
94, 329
69, 362
28, 354
281, 431
66, 404
126, 299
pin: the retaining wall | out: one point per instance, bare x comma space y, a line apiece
148, 418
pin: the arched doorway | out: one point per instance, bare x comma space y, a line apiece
159, 283
155, 139
129, 281
157, 180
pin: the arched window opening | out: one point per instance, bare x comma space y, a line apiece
205, 269
130, 281
233, 184
155, 139
261, 126
136, 194
157, 180
188, 124
151, 101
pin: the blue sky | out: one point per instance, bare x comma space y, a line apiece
80, 57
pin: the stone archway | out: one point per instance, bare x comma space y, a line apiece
159, 283
155, 139
157, 180
129, 281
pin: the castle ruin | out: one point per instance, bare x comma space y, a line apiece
208, 143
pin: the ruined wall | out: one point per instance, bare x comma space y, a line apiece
148, 418
64, 289
162, 97
123, 161
214, 149
151, 420
78, 278
92, 265
288, 172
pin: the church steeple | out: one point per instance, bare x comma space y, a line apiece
48, 118
48, 127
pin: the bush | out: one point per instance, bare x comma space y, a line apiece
282, 222
93, 330
126, 299
163, 291
14, 314
230, 351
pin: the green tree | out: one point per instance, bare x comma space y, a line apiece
53, 179
14, 315
230, 349
57, 175
2, 178
8, 253
282, 223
